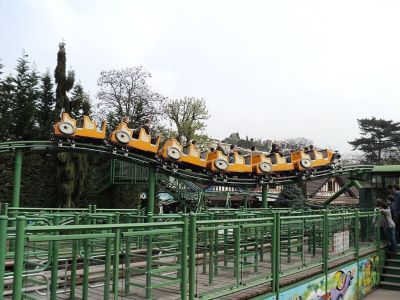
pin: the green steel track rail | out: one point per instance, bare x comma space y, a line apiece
154, 163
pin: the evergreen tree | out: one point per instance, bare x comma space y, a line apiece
290, 196
5, 106
80, 104
46, 107
64, 81
379, 141
23, 92
65, 166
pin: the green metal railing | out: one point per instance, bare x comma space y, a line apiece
47, 252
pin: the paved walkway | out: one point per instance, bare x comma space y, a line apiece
382, 294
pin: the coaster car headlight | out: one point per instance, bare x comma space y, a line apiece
174, 153
66, 128
265, 167
305, 163
221, 164
122, 137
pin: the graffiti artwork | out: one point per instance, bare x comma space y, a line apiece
368, 274
342, 284
312, 290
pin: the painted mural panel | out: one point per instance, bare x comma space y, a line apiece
342, 284
271, 297
368, 274
311, 290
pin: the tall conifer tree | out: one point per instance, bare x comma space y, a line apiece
46, 106
24, 93
65, 165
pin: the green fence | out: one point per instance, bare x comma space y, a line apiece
51, 253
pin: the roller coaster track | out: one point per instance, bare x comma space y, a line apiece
151, 162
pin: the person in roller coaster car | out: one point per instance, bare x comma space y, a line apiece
231, 152
275, 149
146, 128
254, 151
219, 148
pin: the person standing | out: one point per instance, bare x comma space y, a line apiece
396, 208
388, 225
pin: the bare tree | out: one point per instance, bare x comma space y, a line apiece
126, 92
188, 116
297, 143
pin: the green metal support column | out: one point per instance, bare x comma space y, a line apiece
325, 244
107, 266
17, 178
192, 256
149, 259
276, 255
74, 261
357, 244
19, 258
184, 259
3, 250
264, 194
54, 263
151, 190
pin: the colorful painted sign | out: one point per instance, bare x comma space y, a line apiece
312, 290
368, 274
342, 284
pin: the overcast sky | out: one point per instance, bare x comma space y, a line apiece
267, 69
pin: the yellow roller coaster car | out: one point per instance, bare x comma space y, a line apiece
301, 160
260, 164
123, 136
190, 155
322, 158
171, 151
281, 163
194, 157
218, 162
67, 127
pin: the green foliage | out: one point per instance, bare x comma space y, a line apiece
64, 81
80, 103
290, 196
235, 139
72, 169
379, 141
188, 116
19, 94
46, 106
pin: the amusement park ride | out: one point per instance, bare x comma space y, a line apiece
189, 156
242, 254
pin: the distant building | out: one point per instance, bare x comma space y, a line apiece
320, 190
